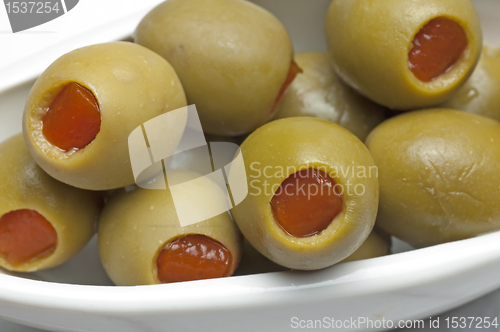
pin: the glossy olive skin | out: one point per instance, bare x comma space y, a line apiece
438, 174
319, 92
135, 226
369, 42
481, 93
231, 56
71, 211
131, 84
282, 147
377, 244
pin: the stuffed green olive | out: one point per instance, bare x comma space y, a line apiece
404, 54
142, 242
313, 192
43, 222
83, 107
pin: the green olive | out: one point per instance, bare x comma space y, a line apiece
287, 148
231, 56
131, 85
138, 224
27, 190
481, 93
438, 175
320, 93
377, 244
370, 43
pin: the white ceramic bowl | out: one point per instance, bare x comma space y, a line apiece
408, 285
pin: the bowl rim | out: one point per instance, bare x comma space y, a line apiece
397, 271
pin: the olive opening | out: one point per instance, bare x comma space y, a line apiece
73, 119
292, 73
192, 257
306, 203
26, 235
436, 48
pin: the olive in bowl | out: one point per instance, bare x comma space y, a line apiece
377, 244
438, 175
481, 93
313, 192
233, 58
319, 92
141, 240
43, 222
404, 54
83, 107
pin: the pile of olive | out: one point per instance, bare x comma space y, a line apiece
329, 177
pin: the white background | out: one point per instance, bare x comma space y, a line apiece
27, 53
